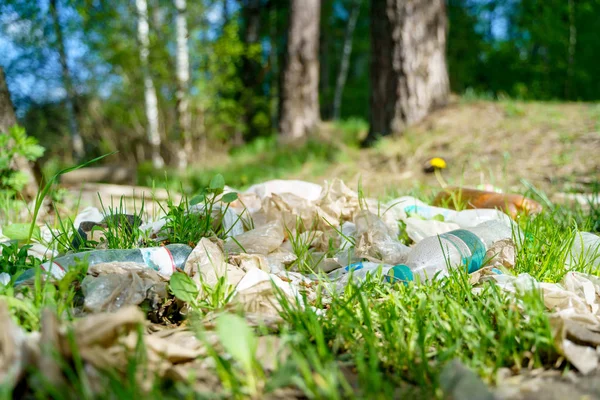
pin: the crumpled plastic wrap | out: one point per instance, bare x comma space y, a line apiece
110, 286
374, 241
261, 240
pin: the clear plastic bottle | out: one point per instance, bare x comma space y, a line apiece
586, 249
464, 219
357, 271
435, 254
164, 259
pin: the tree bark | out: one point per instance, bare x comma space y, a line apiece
183, 78
274, 80
151, 101
300, 91
252, 73
325, 91
7, 120
345, 61
409, 78
571, 50
76, 140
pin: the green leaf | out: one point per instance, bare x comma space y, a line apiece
197, 199
237, 338
183, 287
19, 231
217, 183
229, 197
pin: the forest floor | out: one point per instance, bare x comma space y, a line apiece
553, 146
270, 324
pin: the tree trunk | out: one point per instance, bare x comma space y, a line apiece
300, 91
183, 78
345, 61
8, 119
571, 51
325, 91
151, 101
251, 68
76, 140
409, 77
274, 80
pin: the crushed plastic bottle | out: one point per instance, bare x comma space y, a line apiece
435, 254
586, 249
165, 260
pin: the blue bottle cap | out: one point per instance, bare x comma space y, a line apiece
400, 273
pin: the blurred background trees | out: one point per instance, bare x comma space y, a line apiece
226, 72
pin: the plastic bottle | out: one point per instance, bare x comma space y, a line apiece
585, 248
165, 259
358, 271
464, 219
512, 204
435, 254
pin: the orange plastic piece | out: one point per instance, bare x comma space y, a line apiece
512, 204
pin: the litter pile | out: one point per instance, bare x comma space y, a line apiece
279, 241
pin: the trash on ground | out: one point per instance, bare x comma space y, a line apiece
512, 204
110, 286
283, 239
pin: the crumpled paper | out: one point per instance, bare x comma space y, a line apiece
574, 304
256, 293
305, 190
104, 341
206, 264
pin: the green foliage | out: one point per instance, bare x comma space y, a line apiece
15, 143
201, 216
14, 259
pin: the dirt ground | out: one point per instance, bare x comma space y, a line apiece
554, 146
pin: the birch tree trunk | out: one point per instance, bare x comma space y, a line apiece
183, 78
300, 87
409, 77
8, 119
76, 140
151, 101
345, 62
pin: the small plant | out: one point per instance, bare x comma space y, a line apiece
202, 216
15, 144
301, 241
14, 259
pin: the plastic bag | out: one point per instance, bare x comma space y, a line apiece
110, 286
374, 241
261, 240
306, 190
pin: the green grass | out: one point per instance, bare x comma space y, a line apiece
374, 340
265, 159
